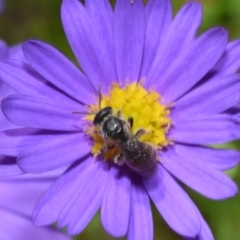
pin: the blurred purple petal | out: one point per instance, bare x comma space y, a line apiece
18, 197
3, 46
16, 52
24, 229
2, 5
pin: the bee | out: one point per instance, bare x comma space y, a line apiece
141, 157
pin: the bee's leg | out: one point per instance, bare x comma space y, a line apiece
119, 115
139, 133
108, 147
130, 121
119, 160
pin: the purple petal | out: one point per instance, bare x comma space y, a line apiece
178, 38
205, 233
24, 228
173, 203
46, 210
9, 170
56, 68
88, 167
24, 79
20, 193
5, 90
198, 176
219, 159
193, 64
129, 29
5, 124
18, 197
41, 157
115, 212
3, 47
16, 52
202, 129
87, 45
100, 11
234, 110
229, 63
15, 140
91, 191
8, 166
141, 222
2, 6
41, 113
212, 98
158, 18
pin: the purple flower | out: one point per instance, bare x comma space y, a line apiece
117, 49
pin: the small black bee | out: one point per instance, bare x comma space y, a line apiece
139, 156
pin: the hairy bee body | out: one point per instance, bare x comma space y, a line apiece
139, 156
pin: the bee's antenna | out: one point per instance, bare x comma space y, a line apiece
99, 96
100, 100
86, 113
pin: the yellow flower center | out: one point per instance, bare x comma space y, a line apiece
143, 106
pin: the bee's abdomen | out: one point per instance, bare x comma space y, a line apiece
140, 157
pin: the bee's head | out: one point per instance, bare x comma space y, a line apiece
103, 114
113, 129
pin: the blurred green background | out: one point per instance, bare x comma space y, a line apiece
40, 19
